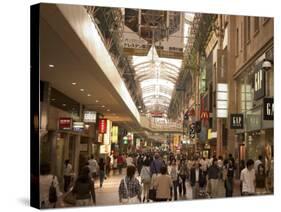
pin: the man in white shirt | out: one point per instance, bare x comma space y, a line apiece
129, 161
93, 166
248, 178
257, 163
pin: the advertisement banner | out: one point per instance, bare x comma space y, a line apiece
102, 126
65, 123
114, 135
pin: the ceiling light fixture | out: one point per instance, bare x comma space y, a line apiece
88, 94
97, 101
108, 110
64, 105
51, 66
82, 89
74, 83
102, 106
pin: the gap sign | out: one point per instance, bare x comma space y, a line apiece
236, 121
268, 109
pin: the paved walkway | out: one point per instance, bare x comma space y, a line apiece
108, 194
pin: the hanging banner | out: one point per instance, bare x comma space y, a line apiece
222, 100
236, 121
268, 109
102, 126
114, 134
90, 116
107, 135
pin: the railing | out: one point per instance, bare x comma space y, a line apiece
152, 125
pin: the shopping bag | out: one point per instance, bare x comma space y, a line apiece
70, 198
152, 194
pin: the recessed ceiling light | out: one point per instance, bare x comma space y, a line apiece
141, 111
97, 101
64, 105
74, 83
139, 106
88, 94
108, 110
82, 89
53, 99
102, 106
51, 66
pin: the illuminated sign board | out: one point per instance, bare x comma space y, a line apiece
78, 126
114, 134
222, 100
102, 126
90, 116
268, 109
236, 121
65, 123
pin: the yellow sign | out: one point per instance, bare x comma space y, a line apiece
209, 133
114, 134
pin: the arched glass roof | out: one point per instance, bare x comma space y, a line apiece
157, 77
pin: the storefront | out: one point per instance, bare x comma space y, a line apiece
255, 103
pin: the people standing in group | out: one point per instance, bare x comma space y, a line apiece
67, 174
213, 178
174, 176
129, 187
163, 185
120, 163
145, 178
183, 175
248, 179
93, 166
261, 186
197, 180
49, 187
101, 171
257, 163
228, 178
84, 189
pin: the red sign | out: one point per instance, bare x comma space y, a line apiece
65, 123
102, 125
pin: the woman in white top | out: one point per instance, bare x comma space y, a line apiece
145, 179
67, 173
46, 181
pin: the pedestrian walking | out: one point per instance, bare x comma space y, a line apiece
129, 188
93, 166
261, 187
197, 180
67, 174
183, 175
257, 163
84, 189
49, 188
120, 163
213, 177
163, 185
101, 171
174, 177
145, 179
228, 178
248, 178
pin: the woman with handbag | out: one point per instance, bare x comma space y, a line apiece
130, 188
84, 189
163, 185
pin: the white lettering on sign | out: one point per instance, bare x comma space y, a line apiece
237, 121
258, 80
269, 109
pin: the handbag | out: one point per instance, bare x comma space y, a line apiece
70, 198
129, 200
152, 194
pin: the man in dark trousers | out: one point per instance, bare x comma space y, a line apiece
197, 180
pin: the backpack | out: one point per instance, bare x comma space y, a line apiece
146, 176
53, 192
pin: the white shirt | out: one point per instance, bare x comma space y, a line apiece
257, 163
67, 170
220, 163
248, 180
196, 175
129, 161
93, 165
204, 165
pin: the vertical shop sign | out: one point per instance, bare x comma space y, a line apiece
259, 84
268, 109
102, 126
